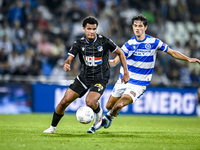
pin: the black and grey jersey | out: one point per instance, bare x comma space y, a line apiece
93, 56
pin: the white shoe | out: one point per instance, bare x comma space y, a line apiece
98, 119
51, 129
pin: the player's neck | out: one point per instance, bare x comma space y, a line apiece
141, 37
91, 40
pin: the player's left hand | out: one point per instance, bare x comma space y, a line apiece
192, 60
66, 67
125, 78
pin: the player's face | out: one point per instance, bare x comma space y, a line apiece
139, 28
90, 31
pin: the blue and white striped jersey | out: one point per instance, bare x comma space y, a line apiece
141, 56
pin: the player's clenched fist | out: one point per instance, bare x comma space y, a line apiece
66, 67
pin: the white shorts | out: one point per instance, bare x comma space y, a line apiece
135, 91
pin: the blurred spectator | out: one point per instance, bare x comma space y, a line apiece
182, 10
58, 49
57, 71
150, 12
44, 47
4, 65
7, 44
194, 8
27, 57
41, 22
173, 72
53, 5
172, 14
185, 77
15, 60
178, 47
191, 40
164, 8
35, 66
32, 3
159, 77
75, 14
187, 49
16, 13
20, 45
195, 49
42, 8
37, 35
5, 7
5, 29
17, 31
65, 35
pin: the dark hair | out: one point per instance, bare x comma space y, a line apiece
140, 17
90, 20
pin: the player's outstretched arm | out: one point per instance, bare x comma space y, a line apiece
180, 56
122, 58
67, 63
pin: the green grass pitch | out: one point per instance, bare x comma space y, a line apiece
127, 132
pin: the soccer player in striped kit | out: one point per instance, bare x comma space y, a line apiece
140, 52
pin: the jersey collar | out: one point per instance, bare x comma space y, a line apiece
92, 41
142, 40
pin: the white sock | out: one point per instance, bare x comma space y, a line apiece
112, 117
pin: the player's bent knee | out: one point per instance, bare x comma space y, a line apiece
90, 104
120, 105
127, 98
108, 107
63, 103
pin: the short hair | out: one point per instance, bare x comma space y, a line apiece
140, 17
90, 20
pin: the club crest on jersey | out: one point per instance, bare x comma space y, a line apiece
148, 46
100, 48
83, 48
100, 87
92, 61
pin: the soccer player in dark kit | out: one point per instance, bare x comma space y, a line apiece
93, 50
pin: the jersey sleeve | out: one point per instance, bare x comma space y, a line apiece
162, 46
74, 49
111, 45
125, 48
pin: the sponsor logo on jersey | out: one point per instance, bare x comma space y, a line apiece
100, 87
92, 61
100, 48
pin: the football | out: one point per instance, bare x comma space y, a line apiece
84, 114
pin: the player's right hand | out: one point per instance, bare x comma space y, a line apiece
112, 63
66, 67
125, 78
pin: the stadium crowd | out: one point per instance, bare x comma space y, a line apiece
35, 35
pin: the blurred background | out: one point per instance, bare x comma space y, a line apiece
35, 36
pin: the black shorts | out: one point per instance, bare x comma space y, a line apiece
81, 86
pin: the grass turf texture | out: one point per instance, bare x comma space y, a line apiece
25, 132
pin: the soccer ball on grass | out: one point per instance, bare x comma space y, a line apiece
84, 114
